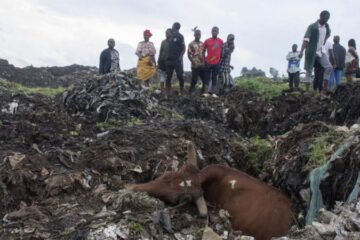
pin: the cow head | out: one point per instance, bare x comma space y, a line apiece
177, 187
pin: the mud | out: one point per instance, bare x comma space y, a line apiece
65, 160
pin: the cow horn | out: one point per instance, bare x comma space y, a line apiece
130, 187
201, 206
191, 154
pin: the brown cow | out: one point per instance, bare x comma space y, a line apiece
255, 208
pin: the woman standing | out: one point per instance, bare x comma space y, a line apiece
351, 61
146, 63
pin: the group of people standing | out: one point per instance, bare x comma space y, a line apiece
210, 61
328, 60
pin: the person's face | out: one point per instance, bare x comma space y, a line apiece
168, 34
111, 43
197, 35
324, 19
215, 32
146, 38
294, 48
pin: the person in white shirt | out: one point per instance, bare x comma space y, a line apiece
293, 70
327, 50
351, 61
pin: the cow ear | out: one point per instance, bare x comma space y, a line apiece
191, 154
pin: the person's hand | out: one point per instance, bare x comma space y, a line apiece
232, 67
334, 66
301, 55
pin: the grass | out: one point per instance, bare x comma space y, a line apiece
134, 121
322, 147
46, 91
256, 150
265, 87
135, 229
107, 125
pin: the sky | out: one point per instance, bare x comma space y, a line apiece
64, 32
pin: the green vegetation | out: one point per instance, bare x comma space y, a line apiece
108, 124
322, 147
46, 91
255, 151
134, 121
112, 123
265, 87
135, 229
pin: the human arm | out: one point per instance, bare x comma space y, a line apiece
190, 53
305, 41
352, 51
102, 61
332, 57
183, 47
138, 51
161, 52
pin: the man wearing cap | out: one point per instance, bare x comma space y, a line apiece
146, 63
224, 65
109, 59
213, 47
174, 58
314, 40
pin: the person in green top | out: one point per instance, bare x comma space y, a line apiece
314, 40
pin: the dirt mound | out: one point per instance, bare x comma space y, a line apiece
303, 150
44, 76
64, 161
251, 115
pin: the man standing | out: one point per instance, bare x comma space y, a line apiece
338, 62
293, 59
314, 40
109, 59
224, 65
197, 59
175, 53
162, 58
213, 47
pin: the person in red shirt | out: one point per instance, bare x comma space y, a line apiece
213, 47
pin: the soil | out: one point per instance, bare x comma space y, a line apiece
65, 160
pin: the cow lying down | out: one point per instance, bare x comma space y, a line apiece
255, 208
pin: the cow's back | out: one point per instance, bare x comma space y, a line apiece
255, 208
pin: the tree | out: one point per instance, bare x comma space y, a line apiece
254, 72
274, 73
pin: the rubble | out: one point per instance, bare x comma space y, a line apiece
64, 161
45, 76
341, 223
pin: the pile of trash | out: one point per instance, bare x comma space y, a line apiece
45, 76
64, 161
317, 165
343, 222
119, 97
110, 96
